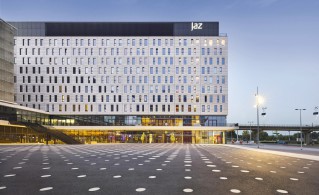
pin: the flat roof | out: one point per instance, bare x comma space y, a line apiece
17, 106
117, 28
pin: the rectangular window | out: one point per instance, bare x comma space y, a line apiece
203, 70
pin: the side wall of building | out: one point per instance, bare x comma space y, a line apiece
7, 33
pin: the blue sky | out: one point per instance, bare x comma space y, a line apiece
272, 44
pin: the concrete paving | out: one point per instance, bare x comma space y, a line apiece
152, 169
285, 150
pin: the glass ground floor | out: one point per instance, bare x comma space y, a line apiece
21, 134
159, 136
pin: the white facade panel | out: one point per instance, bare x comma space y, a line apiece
123, 75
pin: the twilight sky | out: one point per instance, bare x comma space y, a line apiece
272, 43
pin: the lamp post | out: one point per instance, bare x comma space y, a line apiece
237, 134
300, 109
250, 122
257, 102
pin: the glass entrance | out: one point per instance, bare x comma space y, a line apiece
187, 137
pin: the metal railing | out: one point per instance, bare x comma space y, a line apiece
276, 125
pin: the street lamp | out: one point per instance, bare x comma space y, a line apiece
259, 100
250, 122
300, 109
264, 111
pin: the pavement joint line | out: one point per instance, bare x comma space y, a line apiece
289, 154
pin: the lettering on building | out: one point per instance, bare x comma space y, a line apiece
196, 26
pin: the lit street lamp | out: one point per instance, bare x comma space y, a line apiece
259, 100
300, 109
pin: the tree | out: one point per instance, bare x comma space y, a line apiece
246, 135
295, 136
232, 135
263, 135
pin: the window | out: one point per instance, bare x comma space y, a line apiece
203, 70
210, 61
197, 98
222, 42
211, 98
215, 108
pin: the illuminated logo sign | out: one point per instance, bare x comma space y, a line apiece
196, 26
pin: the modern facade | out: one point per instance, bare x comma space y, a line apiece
125, 80
7, 33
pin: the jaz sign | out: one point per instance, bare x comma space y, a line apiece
196, 26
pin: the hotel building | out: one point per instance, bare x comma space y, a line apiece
124, 81
7, 33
